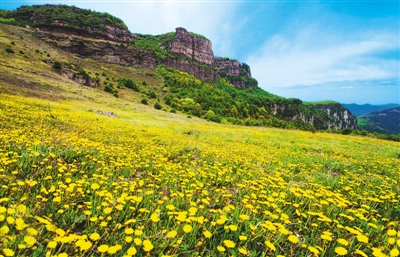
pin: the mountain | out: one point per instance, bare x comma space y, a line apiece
385, 121
359, 110
175, 71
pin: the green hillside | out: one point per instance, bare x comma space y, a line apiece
385, 121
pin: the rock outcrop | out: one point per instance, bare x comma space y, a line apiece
227, 67
109, 33
197, 48
342, 118
200, 72
238, 74
100, 50
192, 54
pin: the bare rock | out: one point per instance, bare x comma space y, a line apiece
109, 114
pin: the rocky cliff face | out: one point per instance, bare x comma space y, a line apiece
109, 33
342, 118
227, 66
322, 116
238, 74
196, 48
196, 71
193, 54
100, 50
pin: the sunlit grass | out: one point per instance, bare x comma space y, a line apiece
75, 183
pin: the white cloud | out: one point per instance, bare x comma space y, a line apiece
309, 58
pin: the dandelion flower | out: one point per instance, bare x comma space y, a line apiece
242, 251
394, 252
94, 236
343, 241
107, 210
95, 186
102, 248
242, 238
8, 252
293, 239
207, 234
29, 240
391, 232
137, 241
172, 234
131, 251
154, 217
52, 244
113, 249
138, 232
187, 228
359, 252
221, 248
362, 239
147, 246
4, 230
229, 244
340, 250
244, 217
129, 231
313, 249
270, 245
233, 227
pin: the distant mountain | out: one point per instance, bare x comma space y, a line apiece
384, 121
359, 110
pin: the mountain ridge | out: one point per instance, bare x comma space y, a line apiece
383, 121
361, 109
185, 51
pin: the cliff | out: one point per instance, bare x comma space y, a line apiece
193, 54
72, 20
100, 50
104, 38
199, 49
238, 74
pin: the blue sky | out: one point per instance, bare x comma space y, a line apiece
347, 51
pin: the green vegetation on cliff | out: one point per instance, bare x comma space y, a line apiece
221, 102
157, 43
47, 15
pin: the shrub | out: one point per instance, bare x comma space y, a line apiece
346, 131
157, 106
144, 101
129, 83
9, 50
109, 88
152, 94
57, 65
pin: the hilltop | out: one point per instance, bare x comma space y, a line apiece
186, 76
384, 121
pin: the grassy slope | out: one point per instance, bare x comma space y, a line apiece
384, 121
69, 175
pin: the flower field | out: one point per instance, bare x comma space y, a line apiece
76, 183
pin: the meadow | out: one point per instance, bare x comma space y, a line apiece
76, 183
